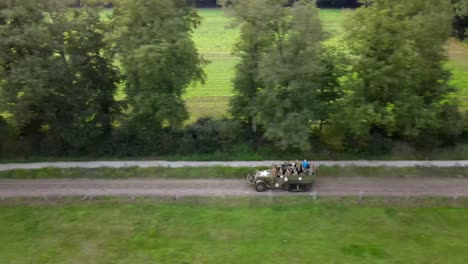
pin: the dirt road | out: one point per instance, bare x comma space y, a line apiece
178, 164
330, 186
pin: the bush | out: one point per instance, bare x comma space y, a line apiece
3, 135
338, 3
379, 145
125, 143
465, 126
208, 135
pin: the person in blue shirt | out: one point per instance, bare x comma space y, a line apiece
305, 165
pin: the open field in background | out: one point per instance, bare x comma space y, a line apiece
215, 39
332, 20
458, 54
227, 173
234, 230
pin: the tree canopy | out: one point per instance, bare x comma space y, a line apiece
284, 80
460, 21
159, 59
399, 86
56, 80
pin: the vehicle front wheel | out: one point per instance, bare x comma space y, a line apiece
260, 187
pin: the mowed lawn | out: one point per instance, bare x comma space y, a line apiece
231, 230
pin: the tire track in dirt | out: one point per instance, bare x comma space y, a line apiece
328, 186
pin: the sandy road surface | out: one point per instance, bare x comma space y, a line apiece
177, 164
353, 186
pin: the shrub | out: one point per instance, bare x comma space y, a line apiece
208, 135
379, 145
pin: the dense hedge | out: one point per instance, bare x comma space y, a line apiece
338, 3
320, 3
213, 3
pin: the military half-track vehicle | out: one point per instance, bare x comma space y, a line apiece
286, 177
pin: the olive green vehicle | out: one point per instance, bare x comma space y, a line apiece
274, 178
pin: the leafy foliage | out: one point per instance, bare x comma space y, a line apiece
55, 72
285, 80
460, 21
153, 43
399, 85
208, 135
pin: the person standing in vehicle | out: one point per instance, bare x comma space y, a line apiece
312, 167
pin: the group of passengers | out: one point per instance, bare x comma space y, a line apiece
296, 168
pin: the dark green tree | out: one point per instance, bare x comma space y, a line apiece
286, 79
399, 86
299, 77
256, 35
460, 21
154, 45
57, 79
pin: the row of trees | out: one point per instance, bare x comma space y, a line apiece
387, 80
216, 3
60, 69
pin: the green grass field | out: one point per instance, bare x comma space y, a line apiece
214, 39
231, 230
226, 173
458, 54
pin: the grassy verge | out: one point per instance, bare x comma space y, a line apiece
225, 173
335, 171
242, 230
459, 152
131, 172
